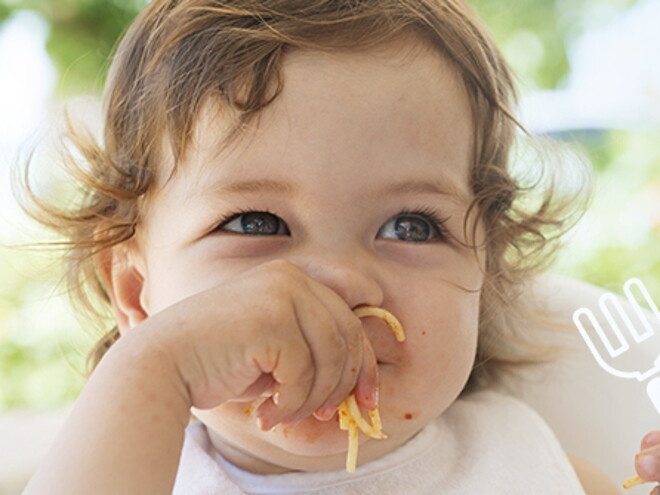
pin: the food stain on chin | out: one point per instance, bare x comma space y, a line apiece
408, 416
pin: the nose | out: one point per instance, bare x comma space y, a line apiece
351, 276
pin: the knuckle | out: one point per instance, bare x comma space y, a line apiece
335, 344
274, 313
280, 277
278, 280
282, 268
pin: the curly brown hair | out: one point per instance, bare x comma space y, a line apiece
178, 53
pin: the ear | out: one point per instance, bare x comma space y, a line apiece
123, 276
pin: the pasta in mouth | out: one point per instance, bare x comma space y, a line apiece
350, 417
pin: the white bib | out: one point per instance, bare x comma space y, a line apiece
485, 443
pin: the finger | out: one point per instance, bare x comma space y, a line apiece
655, 491
647, 465
366, 386
326, 348
292, 369
330, 351
263, 385
352, 331
650, 439
349, 376
366, 390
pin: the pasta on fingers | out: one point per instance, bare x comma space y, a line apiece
350, 417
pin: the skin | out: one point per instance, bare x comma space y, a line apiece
650, 448
221, 321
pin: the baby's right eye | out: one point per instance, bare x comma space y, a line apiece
254, 223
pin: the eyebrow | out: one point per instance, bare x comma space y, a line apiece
445, 188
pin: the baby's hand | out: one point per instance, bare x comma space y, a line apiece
272, 330
647, 462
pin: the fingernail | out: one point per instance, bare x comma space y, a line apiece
371, 399
648, 467
651, 439
653, 450
263, 424
325, 413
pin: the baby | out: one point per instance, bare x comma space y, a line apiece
267, 168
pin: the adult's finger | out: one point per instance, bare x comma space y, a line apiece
650, 439
647, 464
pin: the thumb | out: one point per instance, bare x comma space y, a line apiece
647, 464
262, 387
651, 439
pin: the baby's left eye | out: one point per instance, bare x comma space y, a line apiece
413, 227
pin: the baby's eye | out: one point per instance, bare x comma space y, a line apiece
413, 227
255, 223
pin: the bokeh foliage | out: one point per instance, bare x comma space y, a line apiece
83, 34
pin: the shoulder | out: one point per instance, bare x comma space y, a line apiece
593, 480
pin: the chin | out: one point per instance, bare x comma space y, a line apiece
309, 438
312, 445
320, 446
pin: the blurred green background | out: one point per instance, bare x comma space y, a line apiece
42, 347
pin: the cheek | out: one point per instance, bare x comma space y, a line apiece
445, 354
171, 278
455, 339
440, 352
442, 316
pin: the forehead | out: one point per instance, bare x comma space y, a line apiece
381, 108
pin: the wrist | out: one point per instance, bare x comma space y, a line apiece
146, 365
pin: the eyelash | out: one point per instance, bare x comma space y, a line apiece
433, 215
429, 213
237, 213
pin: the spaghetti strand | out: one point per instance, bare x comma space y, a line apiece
350, 417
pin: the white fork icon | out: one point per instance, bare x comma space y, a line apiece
606, 301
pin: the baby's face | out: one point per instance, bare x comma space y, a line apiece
343, 176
